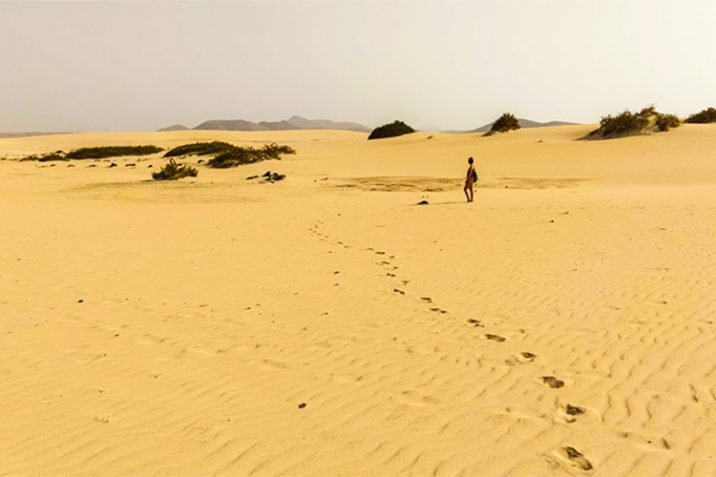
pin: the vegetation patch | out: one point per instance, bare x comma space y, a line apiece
646, 121
394, 129
173, 171
506, 122
704, 117
238, 156
200, 149
50, 156
111, 151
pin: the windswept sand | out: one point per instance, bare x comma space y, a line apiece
563, 324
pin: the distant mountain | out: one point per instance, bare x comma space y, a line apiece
174, 127
229, 125
524, 123
292, 123
302, 123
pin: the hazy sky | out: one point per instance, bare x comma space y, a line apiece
449, 65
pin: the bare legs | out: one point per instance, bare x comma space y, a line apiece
469, 192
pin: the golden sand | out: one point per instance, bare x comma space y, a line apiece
562, 324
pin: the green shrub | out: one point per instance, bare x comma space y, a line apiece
200, 149
394, 129
704, 117
664, 122
630, 124
238, 156
173, 171
111, 151
50, 156
506, 122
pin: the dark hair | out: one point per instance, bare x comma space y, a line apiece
470, 160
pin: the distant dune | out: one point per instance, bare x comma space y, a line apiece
290, 124
525, 123
28, 134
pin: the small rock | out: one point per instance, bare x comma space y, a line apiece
302, 405
80, 300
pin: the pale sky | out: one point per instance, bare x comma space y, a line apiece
86, 66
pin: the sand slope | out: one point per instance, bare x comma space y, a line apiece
563, 324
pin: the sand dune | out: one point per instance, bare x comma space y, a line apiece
563, 324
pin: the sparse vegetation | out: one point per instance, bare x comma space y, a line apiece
238, 156
111, 151
506, 122
200, 149
664, 122
629, 124
173, 171
394, 129
50, 156
704, 117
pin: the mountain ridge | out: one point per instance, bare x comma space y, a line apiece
293, 123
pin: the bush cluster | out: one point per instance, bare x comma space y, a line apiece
173, 171
394, 129
200, 149
706, 116
506, 122
111, 151
238, 156
664, 122
50, 156
630, 124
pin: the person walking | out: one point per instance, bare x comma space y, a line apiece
470, 180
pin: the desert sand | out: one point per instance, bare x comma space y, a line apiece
326, 325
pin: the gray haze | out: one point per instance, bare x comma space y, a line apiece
449, 65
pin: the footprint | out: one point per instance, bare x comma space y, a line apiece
399, 291
438, 310
552, 382
528, 356
577, 458
574, 410
497, 338
426, 299
475, 323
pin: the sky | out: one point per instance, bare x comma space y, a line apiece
133, 65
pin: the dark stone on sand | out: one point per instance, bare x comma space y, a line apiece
497, 338
552, 382
302, 405
80, 300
